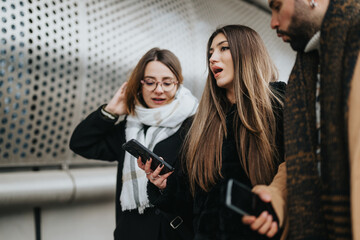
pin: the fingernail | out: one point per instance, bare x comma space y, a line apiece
148, 160
161, 165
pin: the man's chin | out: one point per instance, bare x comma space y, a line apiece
298, 46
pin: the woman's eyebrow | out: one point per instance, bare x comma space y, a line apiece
163, 78
211, 49
225, 41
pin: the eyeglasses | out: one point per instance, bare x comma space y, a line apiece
151, 85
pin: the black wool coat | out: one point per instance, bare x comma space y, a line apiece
100, 138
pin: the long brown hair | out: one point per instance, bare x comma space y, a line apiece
254, 121
133, 89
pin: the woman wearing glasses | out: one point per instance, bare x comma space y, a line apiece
156, 108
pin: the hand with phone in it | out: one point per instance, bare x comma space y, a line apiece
157, 170
136, 149
264, 223
154, 175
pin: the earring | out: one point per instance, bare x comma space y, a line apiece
313, 4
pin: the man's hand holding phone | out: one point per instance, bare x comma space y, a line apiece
154, 176
264, 223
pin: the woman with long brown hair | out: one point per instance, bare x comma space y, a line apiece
155, 107
236, 133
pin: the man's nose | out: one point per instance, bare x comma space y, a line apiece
274, 23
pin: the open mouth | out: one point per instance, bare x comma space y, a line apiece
216, 71
158, 100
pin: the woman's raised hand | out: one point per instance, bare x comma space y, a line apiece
117, 104
154, 176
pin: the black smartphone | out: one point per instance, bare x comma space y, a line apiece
138, 150
240, 199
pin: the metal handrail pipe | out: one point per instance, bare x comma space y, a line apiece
56, 186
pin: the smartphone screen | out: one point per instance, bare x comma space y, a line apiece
240, 199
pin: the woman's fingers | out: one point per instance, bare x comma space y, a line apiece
161, 180
163, 184
158, 170
157, 179
147, 168
165, 176
121, 90
123, 87
117, 103
140, 164
154, 176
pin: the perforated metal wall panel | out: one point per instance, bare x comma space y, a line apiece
61, 59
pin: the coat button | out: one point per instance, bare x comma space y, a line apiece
157, 211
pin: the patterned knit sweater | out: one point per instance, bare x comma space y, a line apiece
319, 206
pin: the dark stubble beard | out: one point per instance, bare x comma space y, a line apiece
301, 28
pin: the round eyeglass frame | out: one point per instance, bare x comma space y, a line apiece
143, 82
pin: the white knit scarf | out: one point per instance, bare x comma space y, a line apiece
163, 122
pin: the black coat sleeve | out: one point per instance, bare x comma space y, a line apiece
97, 137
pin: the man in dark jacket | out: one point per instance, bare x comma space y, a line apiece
321, 127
